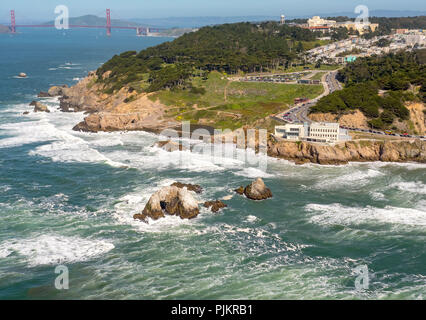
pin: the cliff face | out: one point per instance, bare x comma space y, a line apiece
355, 119
415, 125
389, 151
124, 110
127, 111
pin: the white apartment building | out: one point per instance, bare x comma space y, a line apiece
317, 21
326, 132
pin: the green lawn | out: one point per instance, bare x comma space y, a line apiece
245, 102
318, 76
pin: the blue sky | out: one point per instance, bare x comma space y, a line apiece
44, 9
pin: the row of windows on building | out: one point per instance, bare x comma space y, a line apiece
324, 130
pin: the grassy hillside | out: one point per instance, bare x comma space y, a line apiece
229, 104
230, 48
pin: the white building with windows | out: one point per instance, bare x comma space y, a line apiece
326, 132
317, 21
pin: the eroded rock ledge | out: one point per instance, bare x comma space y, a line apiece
126, 110
359, 151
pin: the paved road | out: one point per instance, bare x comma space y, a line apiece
299, 113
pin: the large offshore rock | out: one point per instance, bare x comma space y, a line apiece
38, 107
170, 201
257, 190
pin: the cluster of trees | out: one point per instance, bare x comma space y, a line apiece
394, 73
228, 48
170, 76
387, 24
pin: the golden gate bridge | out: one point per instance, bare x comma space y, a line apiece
140, 31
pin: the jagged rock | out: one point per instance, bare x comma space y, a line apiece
38, 107
171, 201
170, 146
215, 206
392, 151
43, 94
257, 190
140, 217
240, 190
57, 91
26, 112
191, 187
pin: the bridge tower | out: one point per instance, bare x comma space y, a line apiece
108, 22
12, 21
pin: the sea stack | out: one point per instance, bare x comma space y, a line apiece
171, 201
257, 190
38, 107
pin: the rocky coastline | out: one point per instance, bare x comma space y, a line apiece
352, 151
126, 110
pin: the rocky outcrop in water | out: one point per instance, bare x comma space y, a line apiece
215, 206
170, 146
56, 91
240, 190
171, 201
39, 107
191, 187
257, 190
43, 94
363, 150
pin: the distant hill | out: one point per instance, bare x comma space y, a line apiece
4, 29
197, 22
92, 20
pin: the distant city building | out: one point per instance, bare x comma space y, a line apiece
325, 132
361, 27
282, 21
316, 21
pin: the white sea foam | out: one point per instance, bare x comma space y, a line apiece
410, 186
4, 252
378, 164
55, 249
251, 218
253, 173
73, 150
377, 195
56, 128
332, 214
354, 178
135, 202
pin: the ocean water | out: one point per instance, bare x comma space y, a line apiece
68, 198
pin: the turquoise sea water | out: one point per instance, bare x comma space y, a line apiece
68, 198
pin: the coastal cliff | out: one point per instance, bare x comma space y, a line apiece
359, 151
125, 110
